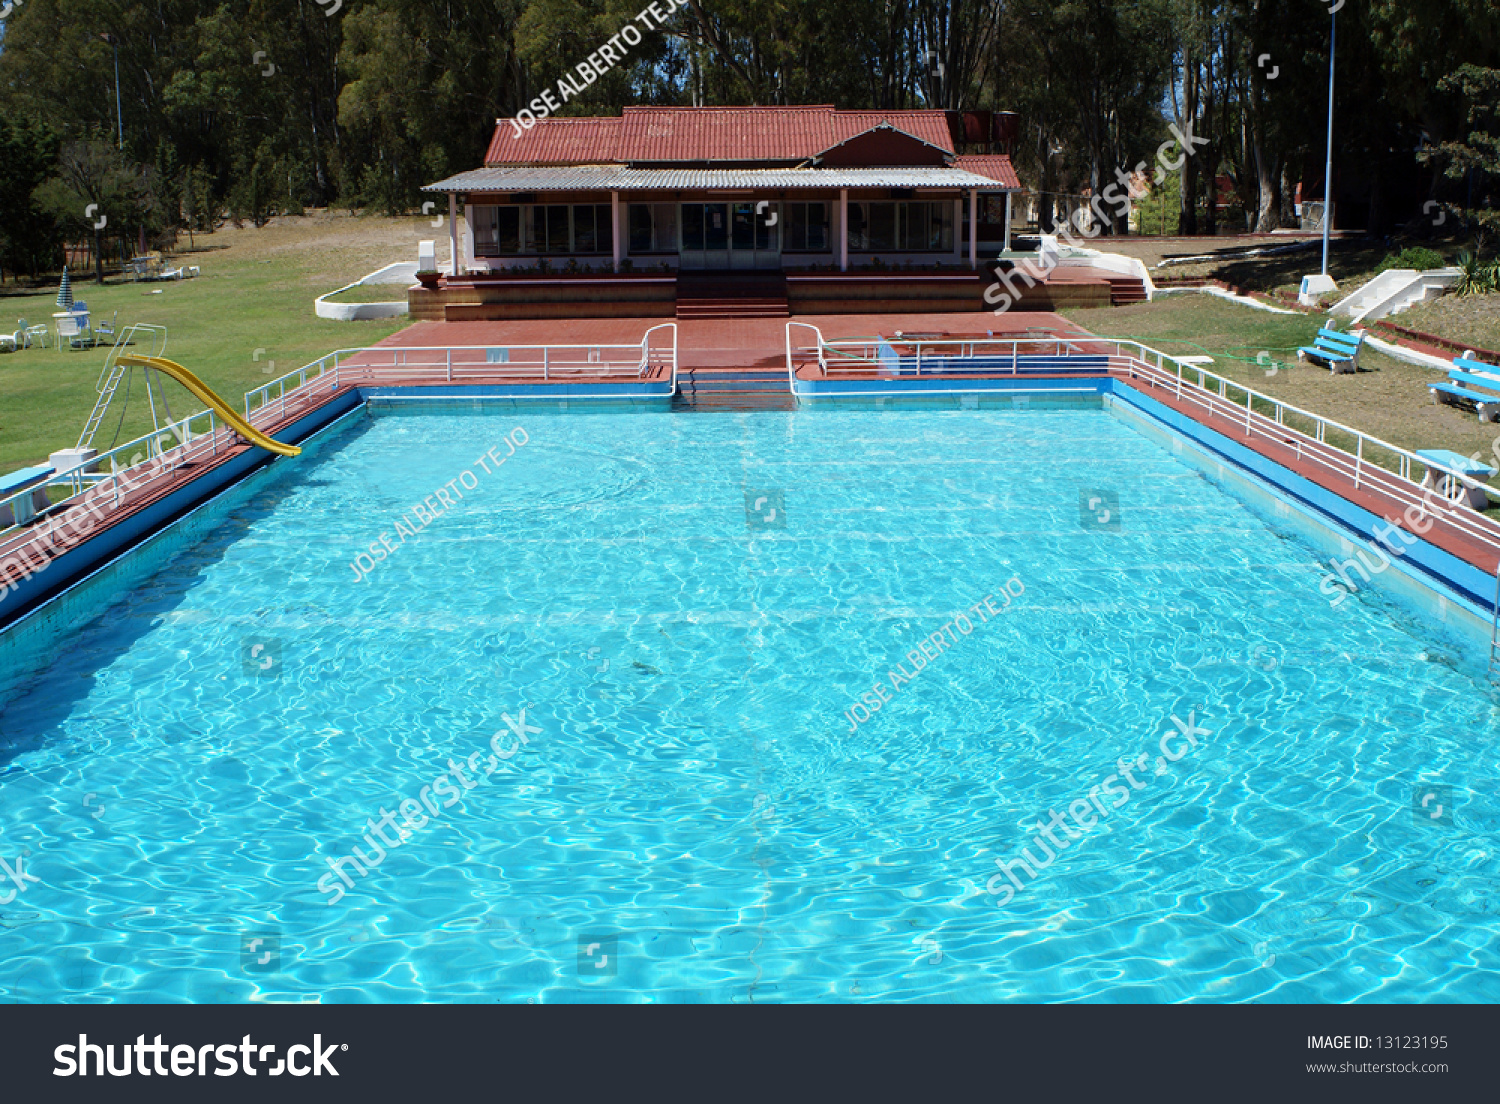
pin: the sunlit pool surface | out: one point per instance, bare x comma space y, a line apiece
692, 818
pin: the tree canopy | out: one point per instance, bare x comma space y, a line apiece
250, 108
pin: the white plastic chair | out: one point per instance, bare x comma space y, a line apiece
31, 335
74, 329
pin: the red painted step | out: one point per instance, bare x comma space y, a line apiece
732, 295
1126, 289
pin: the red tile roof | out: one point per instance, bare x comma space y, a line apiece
724, 133
930, 126
996, 166
555, 142
702, 134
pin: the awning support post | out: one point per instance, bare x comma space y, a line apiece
453, 231
973, 227
614, 228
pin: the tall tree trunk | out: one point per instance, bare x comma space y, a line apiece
1187, 215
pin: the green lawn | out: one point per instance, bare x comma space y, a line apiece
1474, 318
1391, 401
246, 320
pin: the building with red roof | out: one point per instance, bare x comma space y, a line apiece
726, 188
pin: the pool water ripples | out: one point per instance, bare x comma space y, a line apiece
695, 792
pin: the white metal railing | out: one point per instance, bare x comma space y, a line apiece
101, 484
657, 349
816, 348
1249, 410
1270, 422
862, 354
1243, 410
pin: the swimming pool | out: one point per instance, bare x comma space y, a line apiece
685, 607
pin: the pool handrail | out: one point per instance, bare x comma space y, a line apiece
1137, 357
1133, 357
547, 360
201, 434
91, 485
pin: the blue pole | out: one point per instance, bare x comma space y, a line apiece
1333, 42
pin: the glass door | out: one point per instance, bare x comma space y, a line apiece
731, 235
705, 235
742, 253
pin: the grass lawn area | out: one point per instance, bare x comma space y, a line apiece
1351, 261
1391, 403
255, 293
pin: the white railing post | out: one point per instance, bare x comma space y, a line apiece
450, 365
545, 351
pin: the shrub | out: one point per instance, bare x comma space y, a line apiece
1413, 256
1476, 277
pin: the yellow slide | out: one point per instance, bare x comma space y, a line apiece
201, 391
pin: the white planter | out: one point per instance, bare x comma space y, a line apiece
403, 272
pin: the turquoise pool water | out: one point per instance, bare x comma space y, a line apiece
692, 802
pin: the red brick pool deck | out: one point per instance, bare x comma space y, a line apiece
709, 345
725, 343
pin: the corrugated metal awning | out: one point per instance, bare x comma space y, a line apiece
612, 177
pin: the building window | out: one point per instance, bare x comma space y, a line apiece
583, 230
485, 234
807, 227
921, 227
559, 229
507, 229
533, 228
653, 228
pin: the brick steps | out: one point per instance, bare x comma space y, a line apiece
1126, 289
732, 295
733, 308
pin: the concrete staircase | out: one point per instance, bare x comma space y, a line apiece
731, 390
1394, 291
731, 295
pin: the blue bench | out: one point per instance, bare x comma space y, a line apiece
1471, 381
1442, 462
24, 508
1339, 352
